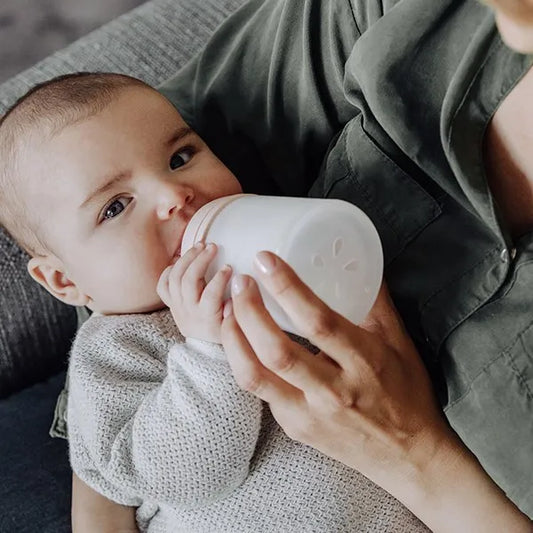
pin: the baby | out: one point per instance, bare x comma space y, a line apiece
100, 175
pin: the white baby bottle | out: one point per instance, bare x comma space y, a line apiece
331, 244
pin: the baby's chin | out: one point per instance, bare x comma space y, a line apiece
133, 310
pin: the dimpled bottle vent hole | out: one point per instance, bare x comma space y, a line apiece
352, 265
337, 246
318, 261
337, 271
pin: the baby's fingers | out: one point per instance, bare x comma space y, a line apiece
183, 263
162, 286
171, 278
193, 280
213, 295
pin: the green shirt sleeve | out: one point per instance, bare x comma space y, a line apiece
266, 94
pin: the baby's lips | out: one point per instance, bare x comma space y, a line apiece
176, 256
174, 259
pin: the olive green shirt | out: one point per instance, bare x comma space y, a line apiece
385, 104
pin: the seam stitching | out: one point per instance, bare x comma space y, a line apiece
504, 353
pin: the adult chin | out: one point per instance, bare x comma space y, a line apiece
515, 34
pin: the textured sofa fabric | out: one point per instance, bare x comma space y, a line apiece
151, 42
35, 329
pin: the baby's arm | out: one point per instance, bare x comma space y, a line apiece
93, 512
141, 428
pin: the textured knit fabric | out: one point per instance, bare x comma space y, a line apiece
157, 422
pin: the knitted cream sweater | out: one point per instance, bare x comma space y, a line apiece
156, 421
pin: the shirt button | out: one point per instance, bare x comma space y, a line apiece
505, 254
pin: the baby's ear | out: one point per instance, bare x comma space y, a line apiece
48, 271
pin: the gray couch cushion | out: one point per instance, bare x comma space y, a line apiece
150, 42
35, 329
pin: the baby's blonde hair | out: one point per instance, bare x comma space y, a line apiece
47, 108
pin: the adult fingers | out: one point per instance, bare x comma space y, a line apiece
248, 371
342, 340
286, 358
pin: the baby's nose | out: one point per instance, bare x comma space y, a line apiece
173, 200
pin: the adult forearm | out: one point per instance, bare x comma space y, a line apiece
453, 493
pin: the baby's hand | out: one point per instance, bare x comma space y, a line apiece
195, 305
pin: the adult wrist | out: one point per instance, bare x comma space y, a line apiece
446, 487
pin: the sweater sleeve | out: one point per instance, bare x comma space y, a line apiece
151, 420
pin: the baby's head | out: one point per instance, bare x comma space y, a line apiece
99, 176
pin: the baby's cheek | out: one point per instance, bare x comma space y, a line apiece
155, 274
139, 277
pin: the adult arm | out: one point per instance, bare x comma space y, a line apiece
365, 400
93, 512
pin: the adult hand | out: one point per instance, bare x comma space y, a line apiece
365, 399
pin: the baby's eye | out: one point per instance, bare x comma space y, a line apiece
115, 208
180, 158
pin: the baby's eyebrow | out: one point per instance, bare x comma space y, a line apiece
109, 182
179, 134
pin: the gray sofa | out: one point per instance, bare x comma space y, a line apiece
151, 42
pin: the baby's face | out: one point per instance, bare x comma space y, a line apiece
115, 193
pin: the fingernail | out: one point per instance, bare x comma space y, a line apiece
238, 284
228, 309
199, 245
266, 262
